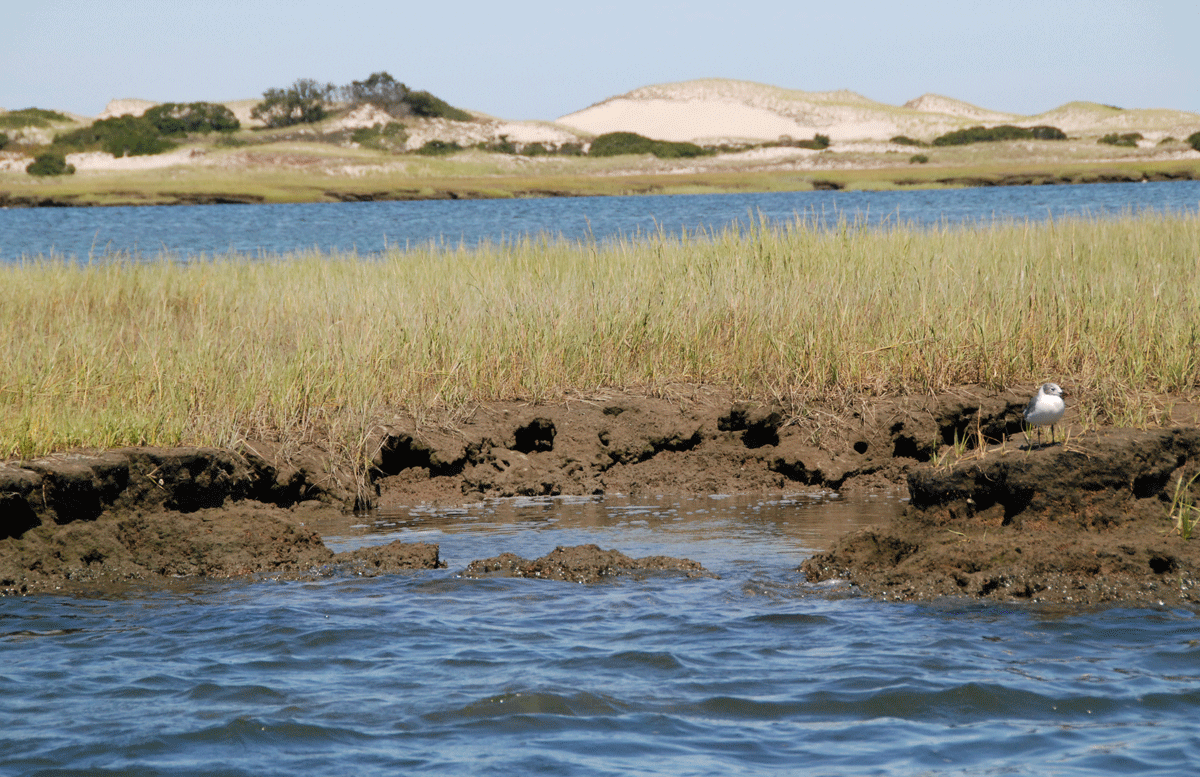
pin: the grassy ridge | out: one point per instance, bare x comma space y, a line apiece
316, 347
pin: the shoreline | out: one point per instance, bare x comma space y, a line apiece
142, 514
635, 186
282, 172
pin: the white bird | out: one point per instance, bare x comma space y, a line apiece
1046, 409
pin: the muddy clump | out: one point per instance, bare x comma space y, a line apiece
1083, 522
702, 441
582, 564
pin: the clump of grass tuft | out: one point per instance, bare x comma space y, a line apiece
1184, 510
312, 347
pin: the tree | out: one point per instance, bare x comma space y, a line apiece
301, 103
1193, 140
380, 90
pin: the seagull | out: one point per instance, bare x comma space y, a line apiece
1046, 409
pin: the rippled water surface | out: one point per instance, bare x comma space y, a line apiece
755, 672
369, 227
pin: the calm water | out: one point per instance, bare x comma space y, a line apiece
753, 673
368, 227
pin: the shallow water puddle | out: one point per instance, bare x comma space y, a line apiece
717, 531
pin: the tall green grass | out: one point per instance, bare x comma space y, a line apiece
313, 347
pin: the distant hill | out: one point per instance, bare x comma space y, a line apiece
711, 110
716, 110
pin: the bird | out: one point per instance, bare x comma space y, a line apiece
1046, 408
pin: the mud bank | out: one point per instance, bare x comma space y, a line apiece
699, 442
1085, 522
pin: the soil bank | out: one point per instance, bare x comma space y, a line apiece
1085, 521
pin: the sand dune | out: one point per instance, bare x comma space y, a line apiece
715, 109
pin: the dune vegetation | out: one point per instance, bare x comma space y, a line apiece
316, 348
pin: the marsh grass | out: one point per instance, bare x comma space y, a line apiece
1184, 511
311, 347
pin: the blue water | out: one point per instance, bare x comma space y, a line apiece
753, 673
369, 227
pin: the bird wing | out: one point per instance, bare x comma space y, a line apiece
1032, 404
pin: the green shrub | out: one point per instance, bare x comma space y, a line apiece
301, 103
1193, 140
918, 159
50, 163
534, 149
385, 92
383, 137
1129, 139
3, 140
993, 134
818, 142
30, 117
425, 104
904, 140
1043, 132
618, 143
438, 148
182, 118
501, 145
119, 136
570, 149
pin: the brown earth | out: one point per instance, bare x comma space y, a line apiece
581, 564
1084, 522
145, 513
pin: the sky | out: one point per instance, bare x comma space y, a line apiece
542, 60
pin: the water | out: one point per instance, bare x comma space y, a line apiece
369, 227
753, 673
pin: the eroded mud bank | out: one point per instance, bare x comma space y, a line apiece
1086, 521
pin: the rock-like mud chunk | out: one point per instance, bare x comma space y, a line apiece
581, 564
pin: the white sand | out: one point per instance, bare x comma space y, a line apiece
686, 120
128, 105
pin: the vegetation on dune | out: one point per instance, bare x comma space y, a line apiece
1193, 140
119, 136
304, 102
386, 93
427, 105
618, 143
179, 119
439, 148
50, 163
382, 137
30, 117
209, 352
1129, 139
994, 134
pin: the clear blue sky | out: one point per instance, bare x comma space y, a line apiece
541, 60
